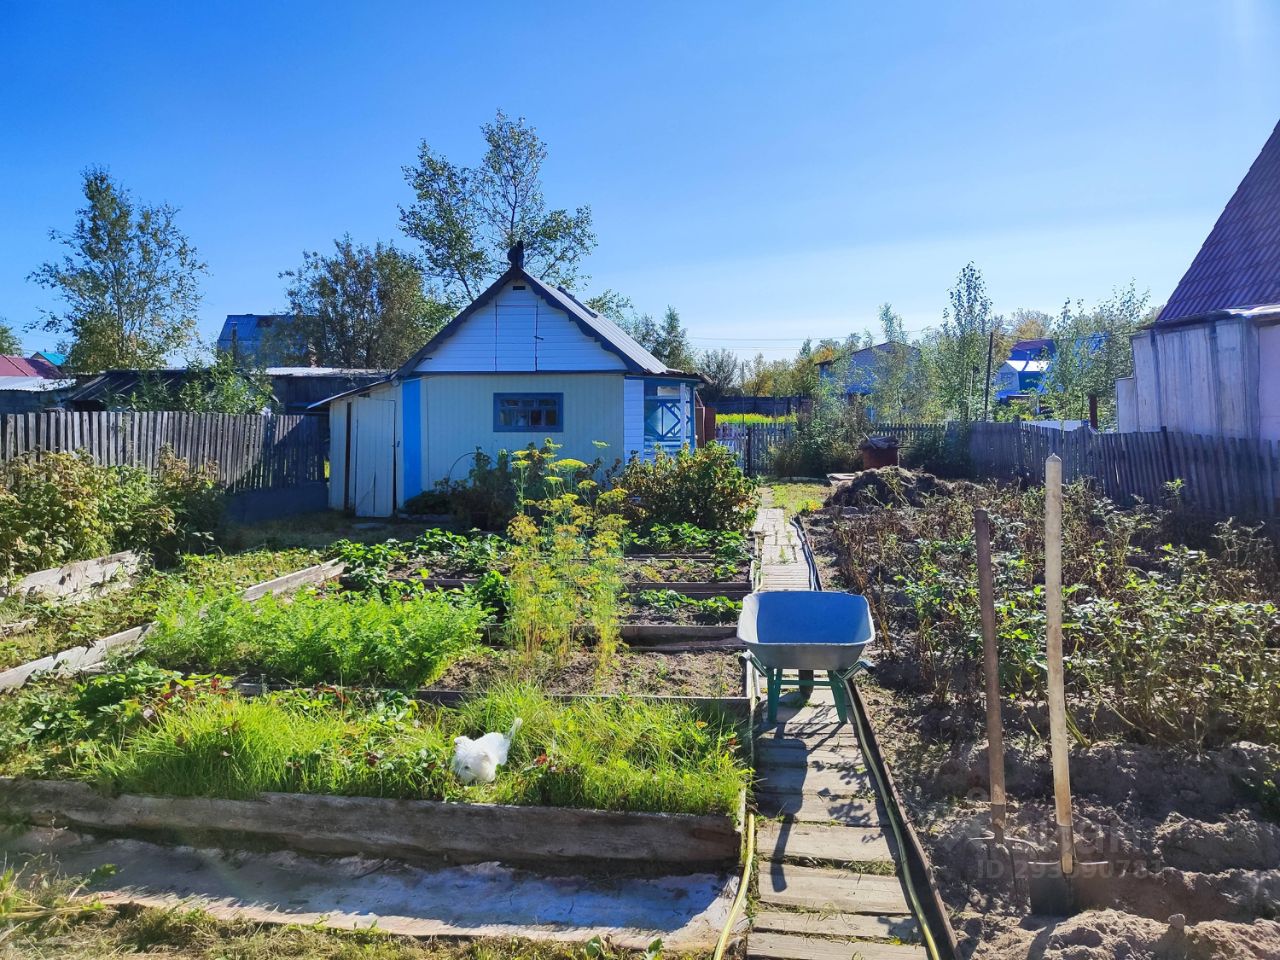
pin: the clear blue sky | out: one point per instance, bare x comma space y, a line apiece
773, 170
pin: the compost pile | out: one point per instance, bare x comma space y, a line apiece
1175, 775
888, 487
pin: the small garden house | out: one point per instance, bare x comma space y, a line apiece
523, 363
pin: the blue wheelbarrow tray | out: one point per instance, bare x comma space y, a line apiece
810, 631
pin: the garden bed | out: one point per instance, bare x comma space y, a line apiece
78, 580
190, 754
714, 674
50, 628
1173, 659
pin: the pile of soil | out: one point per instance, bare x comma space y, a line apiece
712, 674
888, 487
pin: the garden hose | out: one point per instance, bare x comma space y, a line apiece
895, 821
745, 882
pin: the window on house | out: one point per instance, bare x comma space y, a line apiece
528, 412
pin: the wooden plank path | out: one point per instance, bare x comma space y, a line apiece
827, 875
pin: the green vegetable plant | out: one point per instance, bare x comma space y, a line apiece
315, 637
703, 609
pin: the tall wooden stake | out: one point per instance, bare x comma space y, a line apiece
991, 664
1053, 645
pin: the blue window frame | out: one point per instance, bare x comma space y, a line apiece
528, 412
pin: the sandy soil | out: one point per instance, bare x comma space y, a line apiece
1197, 859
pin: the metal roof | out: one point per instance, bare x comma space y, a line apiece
34, 384
1238, 266
26, 367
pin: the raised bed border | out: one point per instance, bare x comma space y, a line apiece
411, 830
77, 580
78, 658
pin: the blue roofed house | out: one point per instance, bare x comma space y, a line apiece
266, 339
1210, 363
1022, 374
863, 367
522, 363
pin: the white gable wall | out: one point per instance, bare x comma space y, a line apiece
519, 331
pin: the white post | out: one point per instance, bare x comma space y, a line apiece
1053, 645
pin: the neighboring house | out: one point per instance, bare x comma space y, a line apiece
1210, 364
1018, 377
864, 367
1039, 348
523, 363
28, 384
262, 338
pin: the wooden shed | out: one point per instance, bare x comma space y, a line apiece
1210, 364
524, 362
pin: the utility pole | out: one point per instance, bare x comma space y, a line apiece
986, 387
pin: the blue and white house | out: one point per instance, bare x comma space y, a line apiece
524, 362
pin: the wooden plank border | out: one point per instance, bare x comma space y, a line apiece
78, 658
410, 830
81, 578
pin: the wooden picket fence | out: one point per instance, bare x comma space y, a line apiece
249, 452
753, 444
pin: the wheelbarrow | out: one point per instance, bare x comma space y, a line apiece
810, 631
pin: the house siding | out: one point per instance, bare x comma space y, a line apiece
458, 418
519, 332
1198, 378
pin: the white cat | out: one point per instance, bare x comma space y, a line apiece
477, 761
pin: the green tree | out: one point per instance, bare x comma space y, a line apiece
361, 306
896, 384
1027, 324
672, 344
956, 354
1091, 352
721, 367
10, 345
466, 218
218, 387
129, 282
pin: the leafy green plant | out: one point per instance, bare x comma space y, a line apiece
60, 507
1179, 646
705, 609
319, 638
703, 487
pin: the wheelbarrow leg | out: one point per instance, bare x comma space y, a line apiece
773, 683
837, 694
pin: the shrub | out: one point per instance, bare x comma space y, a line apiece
318, 638
703, 487
61, 507
496, 489
943, 452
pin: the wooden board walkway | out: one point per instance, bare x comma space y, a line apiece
827, 874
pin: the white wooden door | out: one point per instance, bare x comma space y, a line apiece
373, 441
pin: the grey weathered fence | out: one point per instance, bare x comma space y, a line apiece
753, 443
1224, 476
250, 452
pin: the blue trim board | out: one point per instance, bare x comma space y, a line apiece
558, 427
411, 411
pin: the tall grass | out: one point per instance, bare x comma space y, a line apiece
315, 637
613, 754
